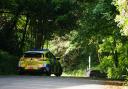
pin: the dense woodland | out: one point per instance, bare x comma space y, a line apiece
71, 29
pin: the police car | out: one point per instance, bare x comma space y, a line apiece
40, 62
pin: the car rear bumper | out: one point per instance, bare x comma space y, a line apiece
40, 70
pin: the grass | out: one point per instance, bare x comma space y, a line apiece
75, 73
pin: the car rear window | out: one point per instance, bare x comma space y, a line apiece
32, 54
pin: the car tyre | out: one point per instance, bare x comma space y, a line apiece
59, 70
48, 71
21, 73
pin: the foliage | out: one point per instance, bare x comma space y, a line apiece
126, 81
118, 44
99, 36
107, 63
121, 18
76, 73
97, 22
31, 23
8, 63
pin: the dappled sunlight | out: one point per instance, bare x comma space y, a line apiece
94, 86
115, 87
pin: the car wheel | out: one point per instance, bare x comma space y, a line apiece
21, 72
48, 71
59, 71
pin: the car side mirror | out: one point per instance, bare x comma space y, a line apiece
58, 58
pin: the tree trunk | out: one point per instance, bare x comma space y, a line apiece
22, 43
38, 40
40, 35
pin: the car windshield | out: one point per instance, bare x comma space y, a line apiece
32, 54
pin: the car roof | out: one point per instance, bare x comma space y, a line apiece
38, 51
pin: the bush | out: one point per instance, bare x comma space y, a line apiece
75, 73
97, 74
126, 81
8, 63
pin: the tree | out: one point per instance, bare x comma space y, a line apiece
43, 19
96, 24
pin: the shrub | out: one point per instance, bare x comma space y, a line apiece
8, 63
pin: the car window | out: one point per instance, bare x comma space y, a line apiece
32, 54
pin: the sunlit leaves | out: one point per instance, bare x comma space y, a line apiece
122, 18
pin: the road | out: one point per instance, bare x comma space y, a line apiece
43, 82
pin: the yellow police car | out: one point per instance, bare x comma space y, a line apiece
40, 62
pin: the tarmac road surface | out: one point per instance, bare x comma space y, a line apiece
44, 82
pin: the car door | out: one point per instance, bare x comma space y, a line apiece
52, 60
